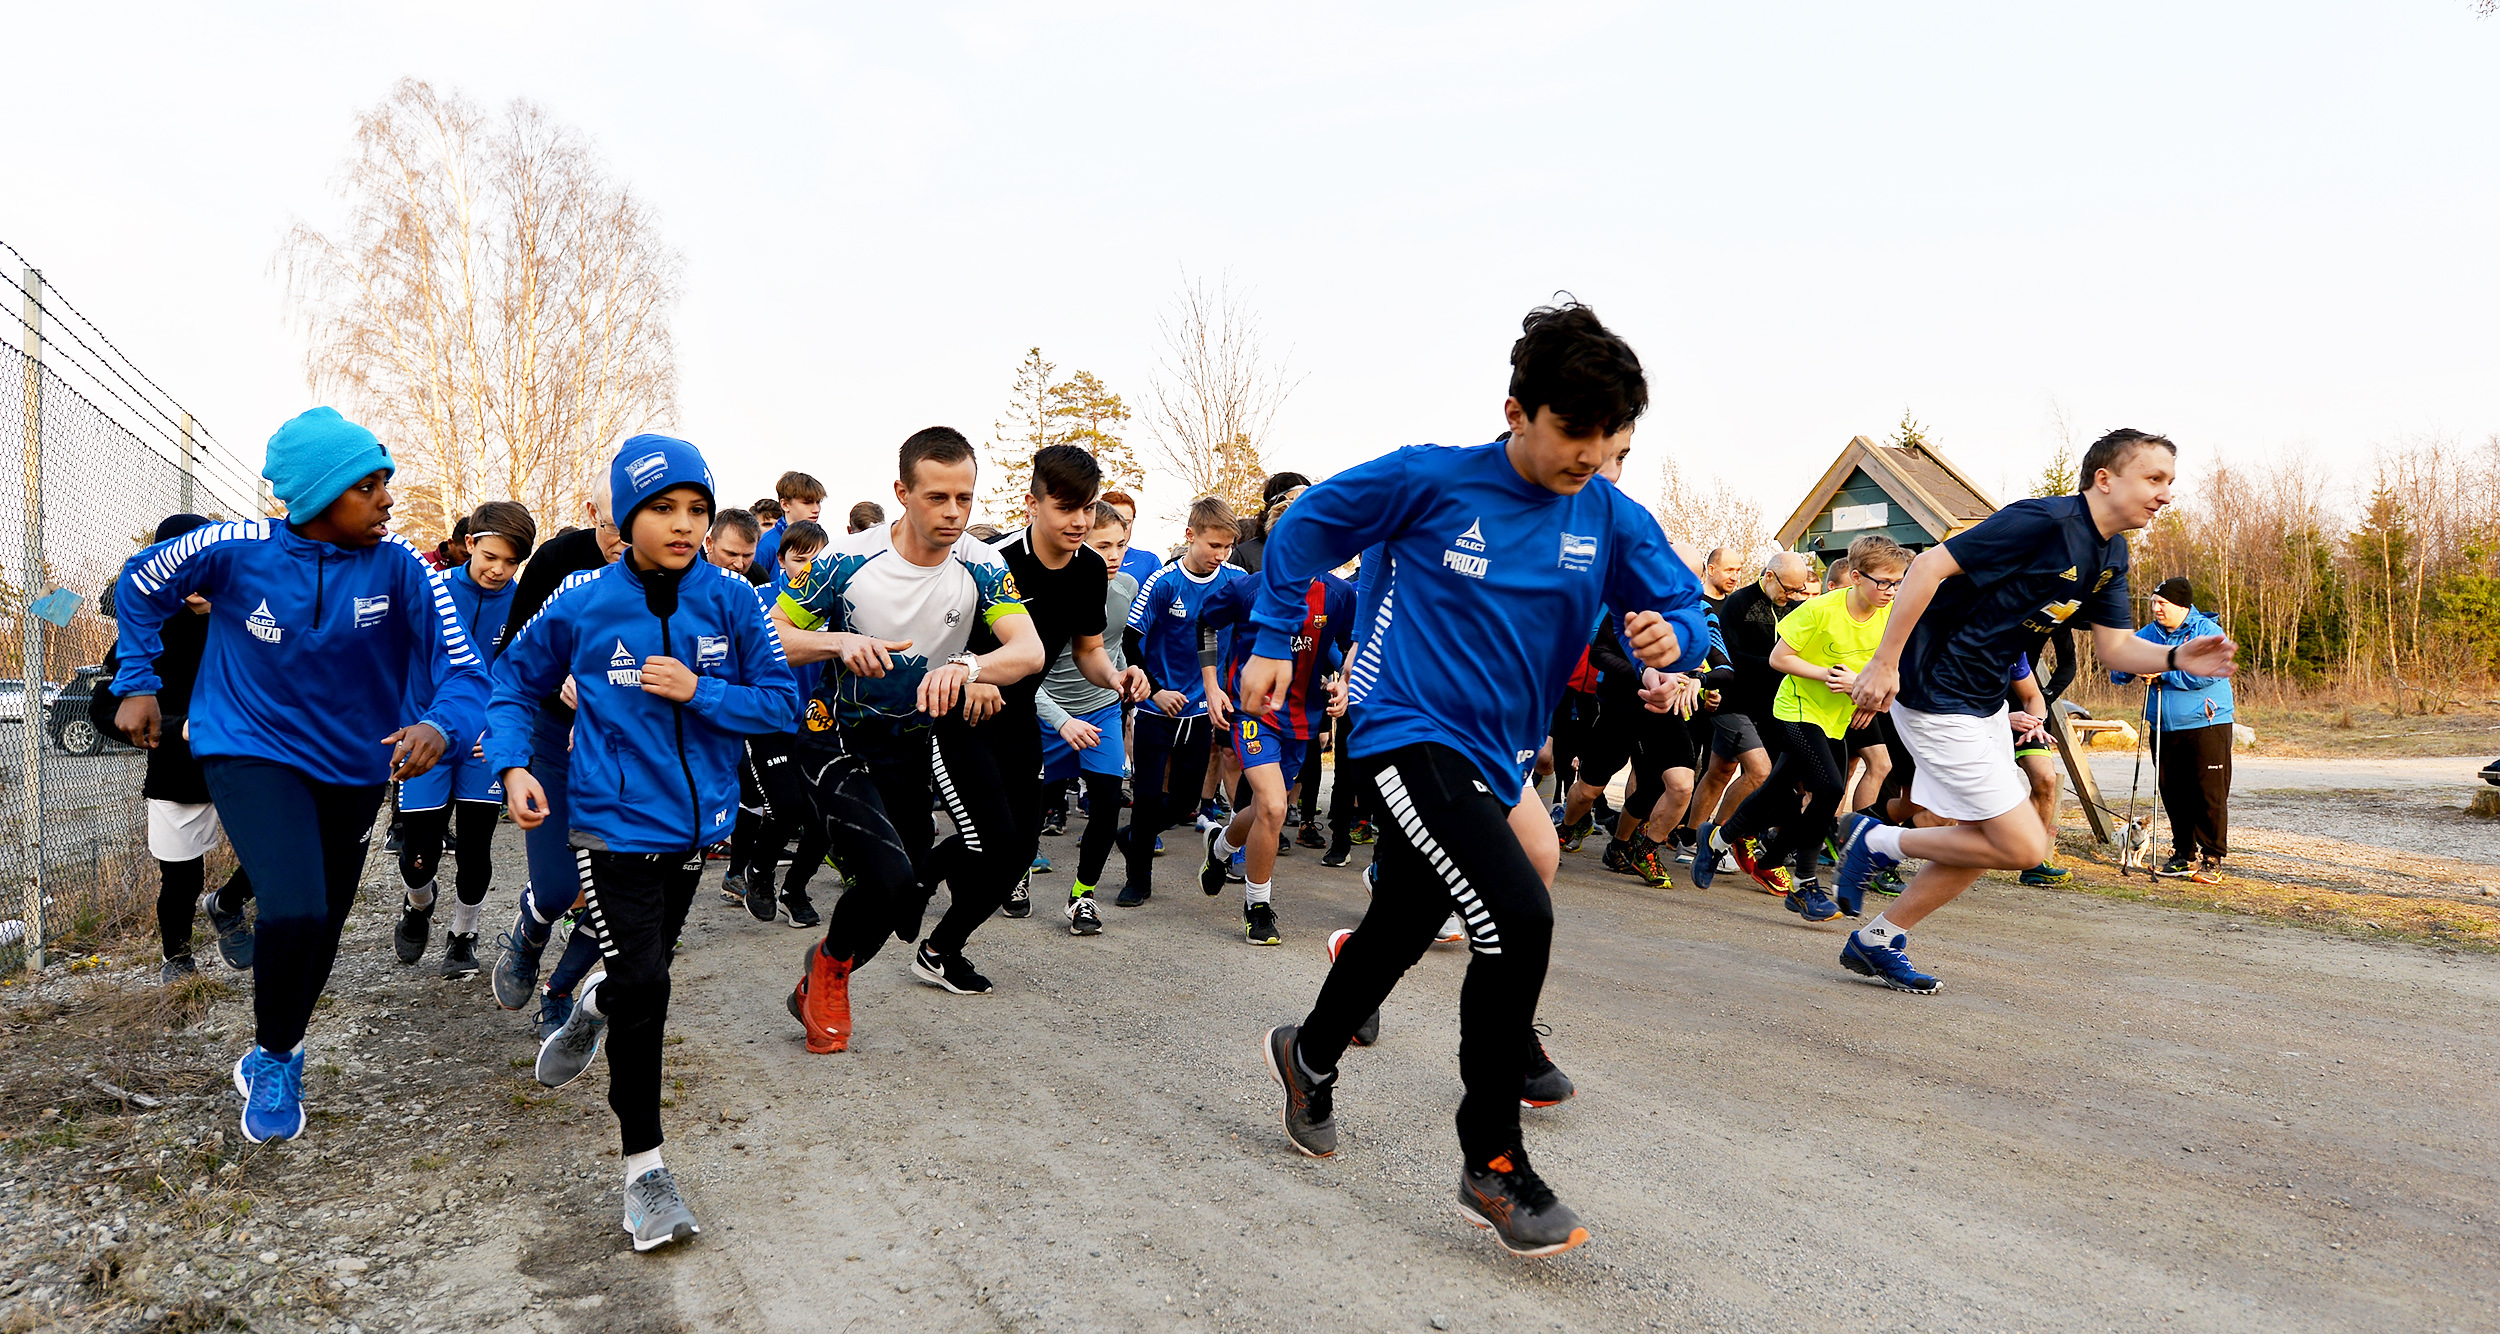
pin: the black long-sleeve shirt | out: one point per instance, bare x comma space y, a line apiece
560, 558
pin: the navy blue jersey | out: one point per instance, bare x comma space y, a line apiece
1479, 570
1165, 617
2026, 570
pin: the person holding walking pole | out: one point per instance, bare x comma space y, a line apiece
2189, 720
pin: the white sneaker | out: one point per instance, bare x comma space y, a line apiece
1452, 930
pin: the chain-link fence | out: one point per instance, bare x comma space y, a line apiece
79, 492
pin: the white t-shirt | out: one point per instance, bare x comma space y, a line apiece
860, 584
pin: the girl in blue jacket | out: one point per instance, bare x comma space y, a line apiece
674, 664
501, 534
331, 667
2190, 717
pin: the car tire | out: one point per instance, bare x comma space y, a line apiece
79, 736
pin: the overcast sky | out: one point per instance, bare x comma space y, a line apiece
2256, 226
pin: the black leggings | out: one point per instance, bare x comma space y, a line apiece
990, 778
1347, 802
1171, 769
1809, 763
638, 904
178, 900
303, 842
1446, 841
876, 820
1102, 827
771, 776
1309, 782
421, 847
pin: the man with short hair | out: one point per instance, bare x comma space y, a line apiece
1485, 552
2191, 719
801, 499
1967, 608
732, 542
891, 611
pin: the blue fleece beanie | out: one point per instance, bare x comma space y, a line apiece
647, 465
317, 456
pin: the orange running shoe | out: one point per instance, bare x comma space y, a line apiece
1747, 852
1775, 879
821, 1002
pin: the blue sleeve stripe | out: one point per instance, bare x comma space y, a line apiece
159, 568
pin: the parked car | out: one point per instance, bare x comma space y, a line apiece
66, 714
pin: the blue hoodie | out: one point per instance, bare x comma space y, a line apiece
315, 652
649, 774
1485, 584
2185, 702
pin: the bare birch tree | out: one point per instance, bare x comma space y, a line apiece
1699, 516
496, 306
1216, 393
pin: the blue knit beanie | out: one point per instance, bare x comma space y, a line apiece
315, 457
647, 465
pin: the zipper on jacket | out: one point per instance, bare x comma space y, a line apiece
320, 567
694, 799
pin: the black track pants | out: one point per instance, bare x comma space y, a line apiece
1171, 768
2196, 789
638, 904
421, 846
990, 779
876, 820
1445, 838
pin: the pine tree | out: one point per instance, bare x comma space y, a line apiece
2057, 479
1084, 412
1908, 433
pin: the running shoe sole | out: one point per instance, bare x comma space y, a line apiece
1467, 1211
1850, 960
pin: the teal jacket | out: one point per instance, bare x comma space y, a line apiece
2184, 702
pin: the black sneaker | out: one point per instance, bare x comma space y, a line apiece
759, 897
1211, 871
1131, 896
459, 954
1258, 924
1084, 919
392, 837
1618, 857
1546, 1084
1311, 837
1054, 824
802, 910
1310, 1114
1020, 899
950, 973
175, 969
2177, 867
234, 931
416, 926
1340, 850
1508, 1197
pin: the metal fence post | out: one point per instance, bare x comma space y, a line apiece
190, 468
30, 724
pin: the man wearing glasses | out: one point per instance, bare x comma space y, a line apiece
1750, 622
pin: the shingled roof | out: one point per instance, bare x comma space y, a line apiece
1932, 496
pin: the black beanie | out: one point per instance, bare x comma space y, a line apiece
2174, 590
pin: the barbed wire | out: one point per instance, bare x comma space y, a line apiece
245, 499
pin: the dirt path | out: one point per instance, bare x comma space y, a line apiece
2116, 1116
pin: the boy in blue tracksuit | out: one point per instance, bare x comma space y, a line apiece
2191, 718
1172, 731
674, 663
1485, 552
501, 533
331, 668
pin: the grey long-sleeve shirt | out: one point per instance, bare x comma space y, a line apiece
1065, 691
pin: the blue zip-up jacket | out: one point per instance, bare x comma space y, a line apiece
315, 652
1486, 585
2186, 702
648, 774
484, 617
1165, 617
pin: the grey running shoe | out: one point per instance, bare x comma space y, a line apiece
1084, 919
416, 926
1511, 1199
733, 887
234, 931
460, 954
568, 1051
1546, 1084
1310, 1114
655, 1213
516, 969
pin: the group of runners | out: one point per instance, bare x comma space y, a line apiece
673, 679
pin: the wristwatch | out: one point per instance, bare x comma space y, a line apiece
970, 664
2174, 658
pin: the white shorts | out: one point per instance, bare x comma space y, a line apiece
1966, 766
179, 832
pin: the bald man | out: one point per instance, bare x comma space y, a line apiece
1749, 619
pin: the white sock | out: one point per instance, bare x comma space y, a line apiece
464, 917
586, 998
1224, 848
1880, 931
1257, 893
1885, 839
638, 1163
421, 896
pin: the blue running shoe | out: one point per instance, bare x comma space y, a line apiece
1858, 862
1888, 964
1041, 862
273, 1094
1233, 873
553, 1010
1706, 849
1811, 903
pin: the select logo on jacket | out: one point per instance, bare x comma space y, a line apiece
264, 627
622, 670
1465, 553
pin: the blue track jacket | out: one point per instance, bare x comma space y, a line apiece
483, 617
315, 652
2186, 702
648, 774
1486, 588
